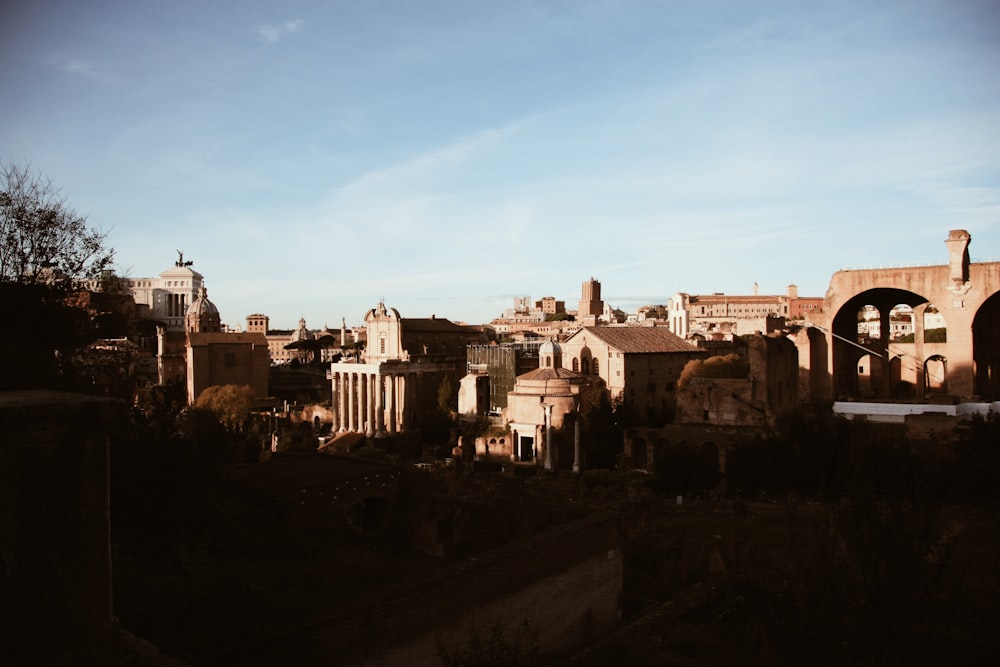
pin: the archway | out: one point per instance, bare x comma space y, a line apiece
862, 335
986, 349
935, 375
869, 376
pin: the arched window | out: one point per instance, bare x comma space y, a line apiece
586, 366
381, 344
576, 365
596, 370
548, 362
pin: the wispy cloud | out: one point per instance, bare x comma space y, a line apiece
272, 33
79, 66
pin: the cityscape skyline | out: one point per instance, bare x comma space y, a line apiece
313, 159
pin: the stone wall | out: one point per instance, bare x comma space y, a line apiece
55, 579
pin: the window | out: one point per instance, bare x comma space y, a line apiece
381, 344
576, 365
595, 368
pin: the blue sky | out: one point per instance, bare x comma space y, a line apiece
312, 158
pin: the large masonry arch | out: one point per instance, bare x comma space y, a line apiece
965, 294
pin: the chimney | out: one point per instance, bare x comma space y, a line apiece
958, 256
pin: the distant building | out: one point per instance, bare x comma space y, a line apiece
549, 306
591, 307
719, 316
166, 299
278, 340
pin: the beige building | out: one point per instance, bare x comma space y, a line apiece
722, 316
641, 365
215, 357
540, 401
166, 299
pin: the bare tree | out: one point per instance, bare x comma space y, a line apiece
43, 240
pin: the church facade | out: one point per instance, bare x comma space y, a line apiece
397, 378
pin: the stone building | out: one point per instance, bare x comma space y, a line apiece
641, 365
397, 379
214, 357
717, 411
540, 401
765, 392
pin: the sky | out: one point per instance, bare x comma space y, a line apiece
314, 158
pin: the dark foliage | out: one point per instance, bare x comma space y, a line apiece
44, 330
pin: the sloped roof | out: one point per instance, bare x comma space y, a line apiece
638, 340
550, 374
434, 324
224, 337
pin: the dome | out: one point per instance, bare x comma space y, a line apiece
202, 315
549, 355
201, 305
549, 347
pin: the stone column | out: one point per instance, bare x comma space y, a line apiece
341, 403
379, 405
370, 404
365, 415
390, 395
352, 414
401, 408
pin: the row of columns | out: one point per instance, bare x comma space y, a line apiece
369, 401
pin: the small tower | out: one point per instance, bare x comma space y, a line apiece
590, 300
202, 315
550, 355
302, 333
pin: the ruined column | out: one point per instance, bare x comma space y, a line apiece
370, 404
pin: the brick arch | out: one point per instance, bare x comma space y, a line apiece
849, 355
986, 348
959, 289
